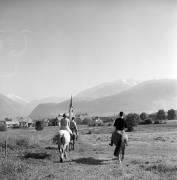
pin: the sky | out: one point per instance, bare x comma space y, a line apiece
57, 48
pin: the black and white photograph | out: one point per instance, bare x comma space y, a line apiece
88, 89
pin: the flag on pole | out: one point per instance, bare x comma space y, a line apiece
71, 110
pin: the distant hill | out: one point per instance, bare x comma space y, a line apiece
105, 89
17, 99
12, 106
32, 104
9, 108
147, 96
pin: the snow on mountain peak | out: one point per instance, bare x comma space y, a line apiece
17, 99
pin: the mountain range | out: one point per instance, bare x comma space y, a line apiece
104, 99
106, 89
12, 106
147, 96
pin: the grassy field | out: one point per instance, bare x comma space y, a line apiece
151, 154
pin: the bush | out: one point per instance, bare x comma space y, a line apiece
3, 127
132, 120
152, 116
161, 115
87, 120
89, 132
171, 114
78, 120
156, 122
143, 116
39, 125
148, 121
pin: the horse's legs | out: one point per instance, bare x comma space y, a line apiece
65, 155
73, 143
69, 145
60, 153
117, 153
61, 159
123, 151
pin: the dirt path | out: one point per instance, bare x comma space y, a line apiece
93, 159
90, 160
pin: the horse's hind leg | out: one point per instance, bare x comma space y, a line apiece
64, 152
73, 144
117, 153
60, 153
69, 146
123, 152
65, 155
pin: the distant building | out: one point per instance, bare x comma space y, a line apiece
25, 121
12, 124
96, 122
2, 122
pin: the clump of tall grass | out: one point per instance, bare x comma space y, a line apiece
3, 127
162, 168
13, 170
17, 143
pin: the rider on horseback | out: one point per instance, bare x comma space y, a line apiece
73, 126
120, 125
64, 124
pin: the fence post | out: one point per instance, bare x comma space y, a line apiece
6, 145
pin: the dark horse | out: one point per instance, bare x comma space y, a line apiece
74, 138
120, 146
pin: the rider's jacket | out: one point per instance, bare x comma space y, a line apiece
73, 126
64, 124
120, 124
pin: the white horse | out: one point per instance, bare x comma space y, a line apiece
63, 140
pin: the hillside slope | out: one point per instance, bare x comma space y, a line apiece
105, 89
147, 96
9, 108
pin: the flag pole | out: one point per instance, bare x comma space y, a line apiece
70, 107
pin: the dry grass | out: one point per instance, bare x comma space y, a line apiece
13, 170
17, 142
151, 155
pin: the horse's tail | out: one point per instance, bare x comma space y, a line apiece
61, 139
